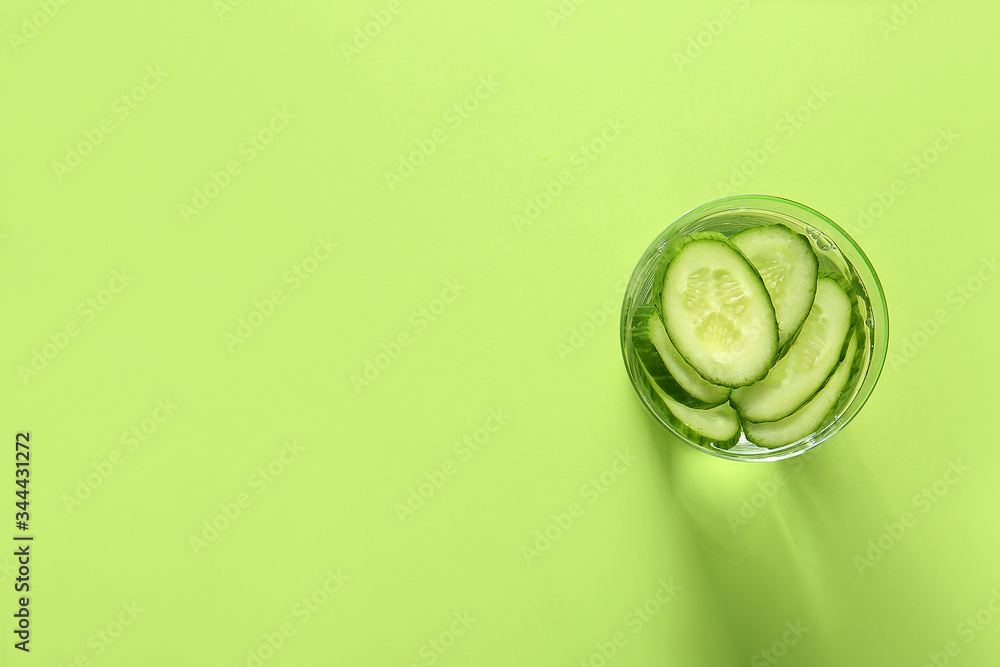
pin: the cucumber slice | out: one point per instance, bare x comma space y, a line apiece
810, 359
668, 255
719, 426
787, 264
717, 312
668, 369
807, 419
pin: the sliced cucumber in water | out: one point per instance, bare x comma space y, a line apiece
719, 426
748, 319
667, 368
807, 419
810, 360
717, 312
788, 266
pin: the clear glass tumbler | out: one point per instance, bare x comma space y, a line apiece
836, 251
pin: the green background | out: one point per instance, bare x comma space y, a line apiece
805, 550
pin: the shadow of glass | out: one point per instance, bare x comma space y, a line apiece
768, 536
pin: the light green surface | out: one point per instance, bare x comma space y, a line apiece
506, 344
